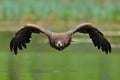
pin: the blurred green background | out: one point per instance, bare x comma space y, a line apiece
80, 61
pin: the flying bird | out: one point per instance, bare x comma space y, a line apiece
59, 41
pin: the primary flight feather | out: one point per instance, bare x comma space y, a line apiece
59, 41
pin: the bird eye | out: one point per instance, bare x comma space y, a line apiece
52, 41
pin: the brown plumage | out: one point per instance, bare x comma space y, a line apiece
59, 41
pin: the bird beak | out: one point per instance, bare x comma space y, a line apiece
59, 44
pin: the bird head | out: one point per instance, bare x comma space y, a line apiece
59, 44
59, 41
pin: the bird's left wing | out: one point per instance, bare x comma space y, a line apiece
97, 37
23, 36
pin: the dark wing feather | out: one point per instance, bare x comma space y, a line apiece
97, 37
23, 36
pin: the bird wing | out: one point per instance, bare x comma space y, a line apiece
97, 37
23, 36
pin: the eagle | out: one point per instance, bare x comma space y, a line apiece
59, 41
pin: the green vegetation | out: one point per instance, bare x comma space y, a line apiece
107, 10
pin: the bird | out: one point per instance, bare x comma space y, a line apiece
61, 40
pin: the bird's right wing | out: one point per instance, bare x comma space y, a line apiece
23, 36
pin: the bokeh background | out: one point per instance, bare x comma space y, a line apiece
80, 61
